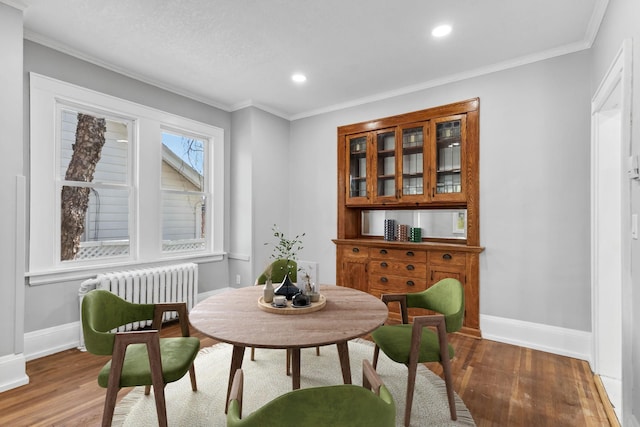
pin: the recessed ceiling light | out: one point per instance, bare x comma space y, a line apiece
299, 78
441, 30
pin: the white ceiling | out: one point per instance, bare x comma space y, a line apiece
235, 53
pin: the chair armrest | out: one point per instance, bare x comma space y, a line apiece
179, 307
122, 340
400, 298
370, 378
236, 390
419, 322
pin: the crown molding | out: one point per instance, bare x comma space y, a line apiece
599, 10
266, 108
17, 4
45, 41
501, 66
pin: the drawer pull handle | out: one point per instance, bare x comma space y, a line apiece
410, 267
383, 251
356, 250
384, 279
383, 264
410, 283
410, 253
446, 256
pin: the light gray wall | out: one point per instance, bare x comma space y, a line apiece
622, 21
56, 304
534, 186
11, 168
240, 173
273, 171
260, 171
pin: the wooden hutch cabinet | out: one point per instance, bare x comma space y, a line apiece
419, 162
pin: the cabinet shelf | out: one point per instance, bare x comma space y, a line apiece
412, 150
386, 153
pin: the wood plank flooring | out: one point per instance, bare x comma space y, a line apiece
501, 384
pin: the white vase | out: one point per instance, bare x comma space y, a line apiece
267, 291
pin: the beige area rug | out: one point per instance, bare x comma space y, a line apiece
265, 378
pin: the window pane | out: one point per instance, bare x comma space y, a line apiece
99, 154
183, 221
102, 225
182, 162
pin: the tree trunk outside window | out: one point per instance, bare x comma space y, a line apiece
90, 138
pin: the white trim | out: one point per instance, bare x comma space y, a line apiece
17, 4
249, 103
240, 257
45, 41
81, 273
453, 78
146, 246
52, 340
20, 249
552, 339
617, 78
12, 372
599, 9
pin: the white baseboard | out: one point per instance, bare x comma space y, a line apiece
12, 372
552, 339
51, 340
613, 388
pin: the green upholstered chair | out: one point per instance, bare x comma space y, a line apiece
137, 357
278, 270
343, 405
415, 343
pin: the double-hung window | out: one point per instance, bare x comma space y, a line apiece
117, 183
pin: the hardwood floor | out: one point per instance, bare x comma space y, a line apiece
501, 384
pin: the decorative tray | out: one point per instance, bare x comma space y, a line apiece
289, 309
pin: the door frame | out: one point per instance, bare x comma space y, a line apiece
613, 94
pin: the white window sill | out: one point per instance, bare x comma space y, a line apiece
37, 278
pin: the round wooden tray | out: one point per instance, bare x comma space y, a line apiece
315, 306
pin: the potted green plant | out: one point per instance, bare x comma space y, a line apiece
286, 249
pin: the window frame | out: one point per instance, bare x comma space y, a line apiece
145, 220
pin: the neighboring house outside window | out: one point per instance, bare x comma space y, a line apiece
98, 198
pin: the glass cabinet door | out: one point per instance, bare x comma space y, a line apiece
385, 164
413, 161
449, 179
357, 166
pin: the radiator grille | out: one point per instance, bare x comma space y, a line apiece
171, 283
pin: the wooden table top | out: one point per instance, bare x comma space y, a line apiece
234, 317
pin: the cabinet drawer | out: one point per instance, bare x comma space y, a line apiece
447, 258
398, 268
407, 255
381, 284
354, 251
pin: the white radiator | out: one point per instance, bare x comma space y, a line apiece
170, 283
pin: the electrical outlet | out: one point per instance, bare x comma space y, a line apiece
238, 279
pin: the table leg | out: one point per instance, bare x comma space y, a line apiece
343, 355
236, 363
295, 368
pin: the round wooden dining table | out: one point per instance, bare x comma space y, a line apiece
235, 317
